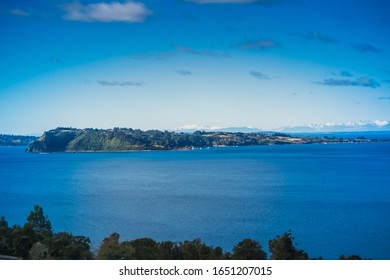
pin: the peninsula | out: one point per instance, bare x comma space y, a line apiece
126, 139
16, 140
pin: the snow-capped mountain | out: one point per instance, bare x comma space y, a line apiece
189, 128
340, 127
377, 125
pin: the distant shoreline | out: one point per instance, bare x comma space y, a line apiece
134, 140
208, 148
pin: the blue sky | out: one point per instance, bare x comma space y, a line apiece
165, 64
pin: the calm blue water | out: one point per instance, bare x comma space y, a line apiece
335, 198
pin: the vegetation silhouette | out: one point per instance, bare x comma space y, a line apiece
35, 240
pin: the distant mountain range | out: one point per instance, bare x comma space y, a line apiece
16, 140
362, 126
190, 128
340, 127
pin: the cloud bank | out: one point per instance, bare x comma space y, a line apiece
121, 84
106, 12
262, 2
19, 12
366, 48
187, 50
361, 82
180, 50
318, 36
156, 55
346, 73
260, 45
223, 1
185, 72
259, 75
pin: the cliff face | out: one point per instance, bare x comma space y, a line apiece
127, 139
56, 140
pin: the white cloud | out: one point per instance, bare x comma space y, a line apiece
259, 75
381, 123
106, 12
339, 127
197, 127
223, 1
353, 124
121, 84
19, 12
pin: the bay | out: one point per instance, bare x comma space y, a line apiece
334, 198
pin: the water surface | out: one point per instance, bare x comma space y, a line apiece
335, 198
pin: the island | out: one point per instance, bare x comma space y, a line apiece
65, 139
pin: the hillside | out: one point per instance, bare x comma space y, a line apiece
127, 139
16, 140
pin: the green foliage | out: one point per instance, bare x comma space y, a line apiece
3, 223
168, 250
145, 248
16, 140
111, 249
5, 233
218, 254
39, 251
149, 249
195, 250
37, 221
352, 257
127, 139
248, 250
36, 241
282, 248
58, 140
21, 241
65, 246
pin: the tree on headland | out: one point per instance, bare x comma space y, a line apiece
168, 250
36, 240
65, 246
111, 249
38, 222
21, 241
3, 223
149, 249
195, 250
38, 252
248, 250
5, 233
282, 248
352, 257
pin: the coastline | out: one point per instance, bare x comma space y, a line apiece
135, 140
205, 148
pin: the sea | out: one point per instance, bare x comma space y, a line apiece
334, 198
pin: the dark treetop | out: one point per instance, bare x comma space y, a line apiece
37, 241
